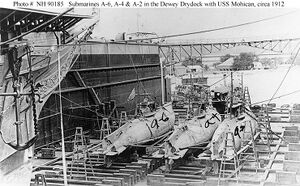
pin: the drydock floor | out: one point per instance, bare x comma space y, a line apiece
278, 167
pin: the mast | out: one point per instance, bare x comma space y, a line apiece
224, 77
231, 94
162, 83
242, 84
61, 115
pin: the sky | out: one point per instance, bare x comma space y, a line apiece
165, 21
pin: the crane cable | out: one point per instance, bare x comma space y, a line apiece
290, 67
283, 95
215, 29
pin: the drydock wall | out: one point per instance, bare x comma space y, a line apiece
103, 72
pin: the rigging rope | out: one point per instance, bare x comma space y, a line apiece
102, 115
290, 67
135, 70
61, 114
217, 29
296, 91
34, 112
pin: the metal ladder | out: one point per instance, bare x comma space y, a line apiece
105, 128
250, 154
247, 96
123, 118
40, 180
80, 154
225, 161
265, 128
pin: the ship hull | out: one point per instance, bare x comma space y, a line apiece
15, 159
197, 131
46, 75
240, 127
139, 131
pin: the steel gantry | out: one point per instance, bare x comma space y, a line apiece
183, 51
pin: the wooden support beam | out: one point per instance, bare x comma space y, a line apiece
291, 166
265, 175
183, 180
71, 181
292, 139
90, 148
127, 178
108, 84
155, 180
292, 155
290, 133
287, 178
20, 19
131, 172
248, 145
294, 147
186, 176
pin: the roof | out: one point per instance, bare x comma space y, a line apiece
22, 20
45, 12
194, 66
228, 63
222, 89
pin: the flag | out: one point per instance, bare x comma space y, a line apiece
131, 95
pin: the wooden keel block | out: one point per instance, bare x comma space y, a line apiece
290, 133
155, 180
291, 128
291, 166
295, 118
292, 139
120, 180
270, 184
214, 182
283, 177
131, 172
139, 169
112, 182
295, 112
294, 147
181, 180
173, 184
144, 166
275, 118
127, 178
292, 155
198, 183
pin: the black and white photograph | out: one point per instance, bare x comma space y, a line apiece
149, 93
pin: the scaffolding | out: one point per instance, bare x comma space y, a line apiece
265, 128
40, 180
80, 154
249, 151
226, 160
123, 118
